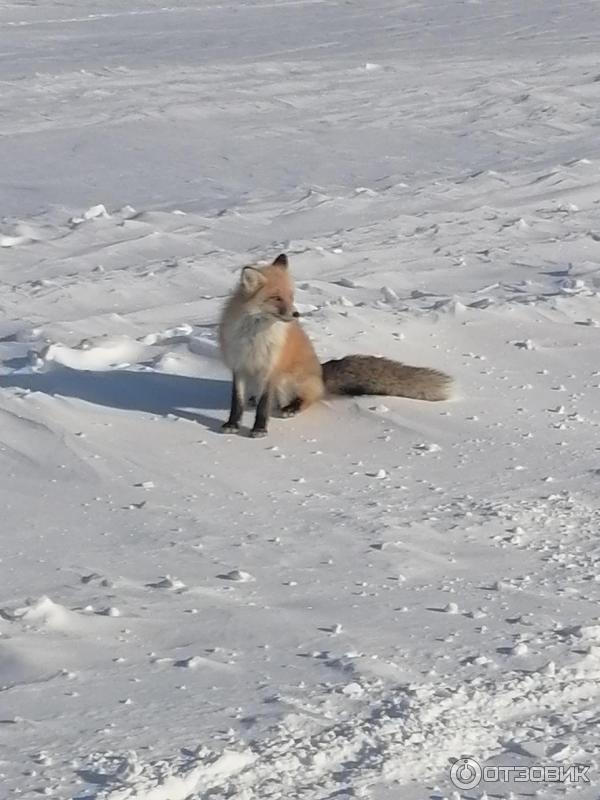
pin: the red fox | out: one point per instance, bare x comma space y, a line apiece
273, 360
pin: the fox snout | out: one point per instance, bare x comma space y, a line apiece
287, 314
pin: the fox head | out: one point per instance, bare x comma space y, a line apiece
269, 291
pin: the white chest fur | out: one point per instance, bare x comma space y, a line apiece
251, 346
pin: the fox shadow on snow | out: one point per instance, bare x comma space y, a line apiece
150, 392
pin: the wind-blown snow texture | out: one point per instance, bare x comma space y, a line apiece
382, 585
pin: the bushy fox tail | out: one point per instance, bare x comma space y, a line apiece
372, 375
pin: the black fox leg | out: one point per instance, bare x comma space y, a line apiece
263, 410
237, 406
292, 408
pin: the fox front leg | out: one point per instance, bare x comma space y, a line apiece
263, 410
237, 406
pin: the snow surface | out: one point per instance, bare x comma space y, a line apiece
381, 586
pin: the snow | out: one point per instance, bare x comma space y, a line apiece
381, 586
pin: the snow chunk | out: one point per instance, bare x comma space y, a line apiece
388, 294
380, 474
519, 649
168, 582
94, 212
428, 447
237, 575
95, 355
526, 344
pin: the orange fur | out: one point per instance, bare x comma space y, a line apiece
298, 366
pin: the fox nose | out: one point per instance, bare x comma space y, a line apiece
295, 313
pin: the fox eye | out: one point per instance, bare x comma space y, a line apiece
277, 299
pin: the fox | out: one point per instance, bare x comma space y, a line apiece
274, 363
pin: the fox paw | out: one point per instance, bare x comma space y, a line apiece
292, 408
230, 427
258, 433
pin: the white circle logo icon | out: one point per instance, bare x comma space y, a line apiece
466, 773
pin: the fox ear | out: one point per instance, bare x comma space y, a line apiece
281, 261
252, 279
